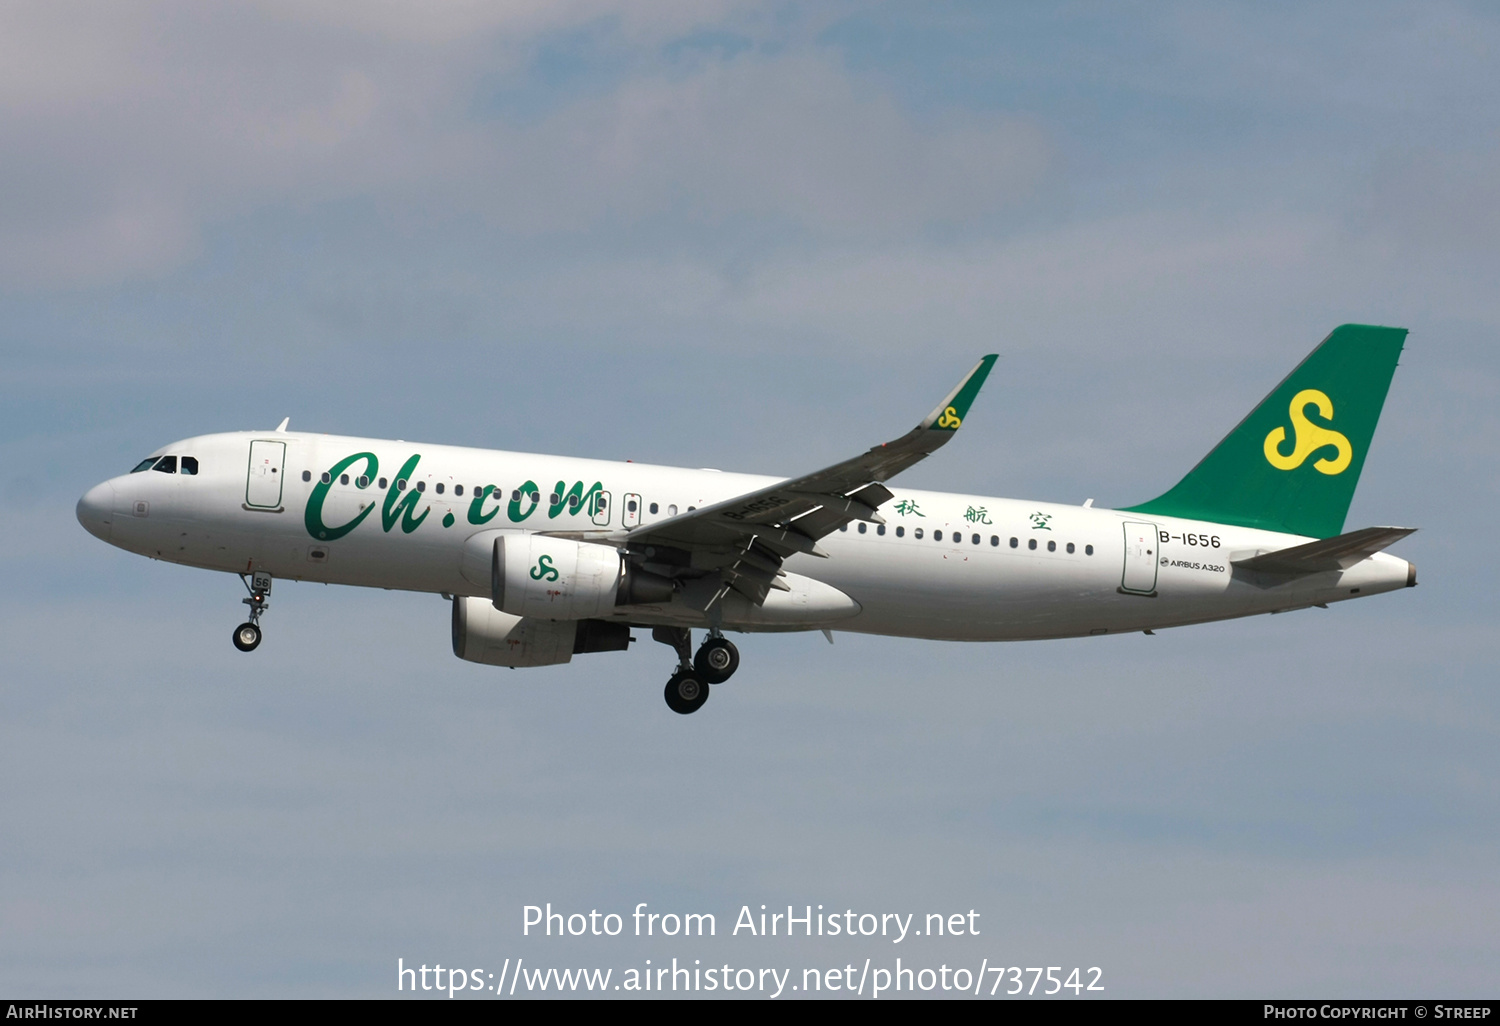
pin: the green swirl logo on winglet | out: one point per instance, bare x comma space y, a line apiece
1308, 437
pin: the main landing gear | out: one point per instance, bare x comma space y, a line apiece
247, 634
716, 661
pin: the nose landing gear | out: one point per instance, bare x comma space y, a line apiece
247, 634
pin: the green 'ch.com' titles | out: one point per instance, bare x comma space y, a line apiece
400, 505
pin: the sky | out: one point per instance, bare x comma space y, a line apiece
759, 237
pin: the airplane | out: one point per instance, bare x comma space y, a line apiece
546, 557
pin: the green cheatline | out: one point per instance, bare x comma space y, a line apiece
1292, 464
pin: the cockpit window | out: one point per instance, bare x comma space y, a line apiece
190, 465
144, 465
166, 465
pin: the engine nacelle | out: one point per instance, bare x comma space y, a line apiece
554, 578
484, 634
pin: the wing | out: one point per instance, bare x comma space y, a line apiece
740, 543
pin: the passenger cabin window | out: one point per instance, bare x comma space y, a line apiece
326, 479
917, 533
440, 488
307, 475
1031, 544
1014, 542
1052, 546
190, 465
382, 482
167, 465
654, 507
421, 486
975, 539
900, 532
937, 535
1088, 550
861, 527
145, 464
1070, 548
362, 481
880, 529
343, 479
458, 489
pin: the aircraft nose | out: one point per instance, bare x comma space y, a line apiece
97, 509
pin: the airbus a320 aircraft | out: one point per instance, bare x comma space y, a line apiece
545, 557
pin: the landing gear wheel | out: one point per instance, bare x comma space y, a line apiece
247, 634
685, 692
717, 659
246, 637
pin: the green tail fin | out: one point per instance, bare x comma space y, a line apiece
1292, 464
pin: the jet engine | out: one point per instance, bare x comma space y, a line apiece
534, 575
484, 634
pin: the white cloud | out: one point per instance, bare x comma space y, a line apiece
443, 22
139, 133
791, 138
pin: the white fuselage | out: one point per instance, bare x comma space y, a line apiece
945, 566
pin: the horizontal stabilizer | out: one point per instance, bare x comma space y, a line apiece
1336, 553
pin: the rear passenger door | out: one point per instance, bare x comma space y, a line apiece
1139, 577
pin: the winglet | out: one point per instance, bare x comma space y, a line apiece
950, 413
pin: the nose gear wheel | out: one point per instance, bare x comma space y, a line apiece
247, 635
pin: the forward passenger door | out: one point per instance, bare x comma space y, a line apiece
267, 465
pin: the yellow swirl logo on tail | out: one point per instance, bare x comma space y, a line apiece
1309, 437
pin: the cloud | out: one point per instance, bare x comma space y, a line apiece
136, 138
789, 138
